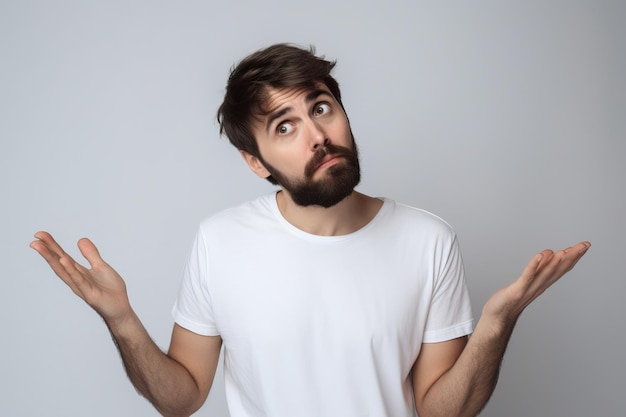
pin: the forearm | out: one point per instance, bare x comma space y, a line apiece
466, 387
162, 380
166, 383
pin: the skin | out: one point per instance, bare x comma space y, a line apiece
452, 378
290, 141
457, 379
176, 383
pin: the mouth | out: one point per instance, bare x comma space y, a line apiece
328, 161
326, 158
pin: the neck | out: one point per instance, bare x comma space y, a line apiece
347, 216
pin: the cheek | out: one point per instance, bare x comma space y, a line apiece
344, 136
290, 161
341, 131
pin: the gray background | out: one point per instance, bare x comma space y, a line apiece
505, 118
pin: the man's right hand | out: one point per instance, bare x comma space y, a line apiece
177, 383
101, 287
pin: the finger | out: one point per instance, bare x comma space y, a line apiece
536, 264
573, 252
546, 257
53, 247
50, 252
60, 262
559, 264
570, 257
61, 265
90, 252
581, 248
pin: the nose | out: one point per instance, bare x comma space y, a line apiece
316, 135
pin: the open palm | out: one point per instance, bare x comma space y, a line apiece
543, 270
101, 287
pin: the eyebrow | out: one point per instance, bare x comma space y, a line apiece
313, 95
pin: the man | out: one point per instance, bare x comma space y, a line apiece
328, 302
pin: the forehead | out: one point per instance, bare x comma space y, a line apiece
275, 98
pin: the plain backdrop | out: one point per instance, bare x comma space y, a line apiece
505, 118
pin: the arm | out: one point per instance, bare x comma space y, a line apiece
457, 379
177, 383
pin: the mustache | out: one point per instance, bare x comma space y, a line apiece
321, 153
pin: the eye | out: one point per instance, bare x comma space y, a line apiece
321, 109
284, 128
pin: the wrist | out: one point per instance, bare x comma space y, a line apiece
495, 326
122, 324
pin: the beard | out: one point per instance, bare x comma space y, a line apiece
337, 182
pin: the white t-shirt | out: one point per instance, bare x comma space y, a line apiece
323, 325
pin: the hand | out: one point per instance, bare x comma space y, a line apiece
100, 287
543, 270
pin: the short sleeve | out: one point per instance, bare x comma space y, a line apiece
193, 308
450, 314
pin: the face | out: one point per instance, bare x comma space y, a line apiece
306, 145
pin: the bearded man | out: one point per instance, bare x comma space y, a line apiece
328, 302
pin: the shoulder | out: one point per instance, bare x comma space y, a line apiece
416, 219
254, 212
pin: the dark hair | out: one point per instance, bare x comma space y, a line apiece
278, 66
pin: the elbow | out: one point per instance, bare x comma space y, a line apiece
175, 413
179, 409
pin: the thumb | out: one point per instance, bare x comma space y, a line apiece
90, 252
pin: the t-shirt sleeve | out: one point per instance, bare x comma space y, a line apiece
450, 314
193, 307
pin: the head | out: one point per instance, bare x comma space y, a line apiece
250, 97
279, 66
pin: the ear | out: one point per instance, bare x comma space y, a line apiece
255, 165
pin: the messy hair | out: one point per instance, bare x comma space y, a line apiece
278, 66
